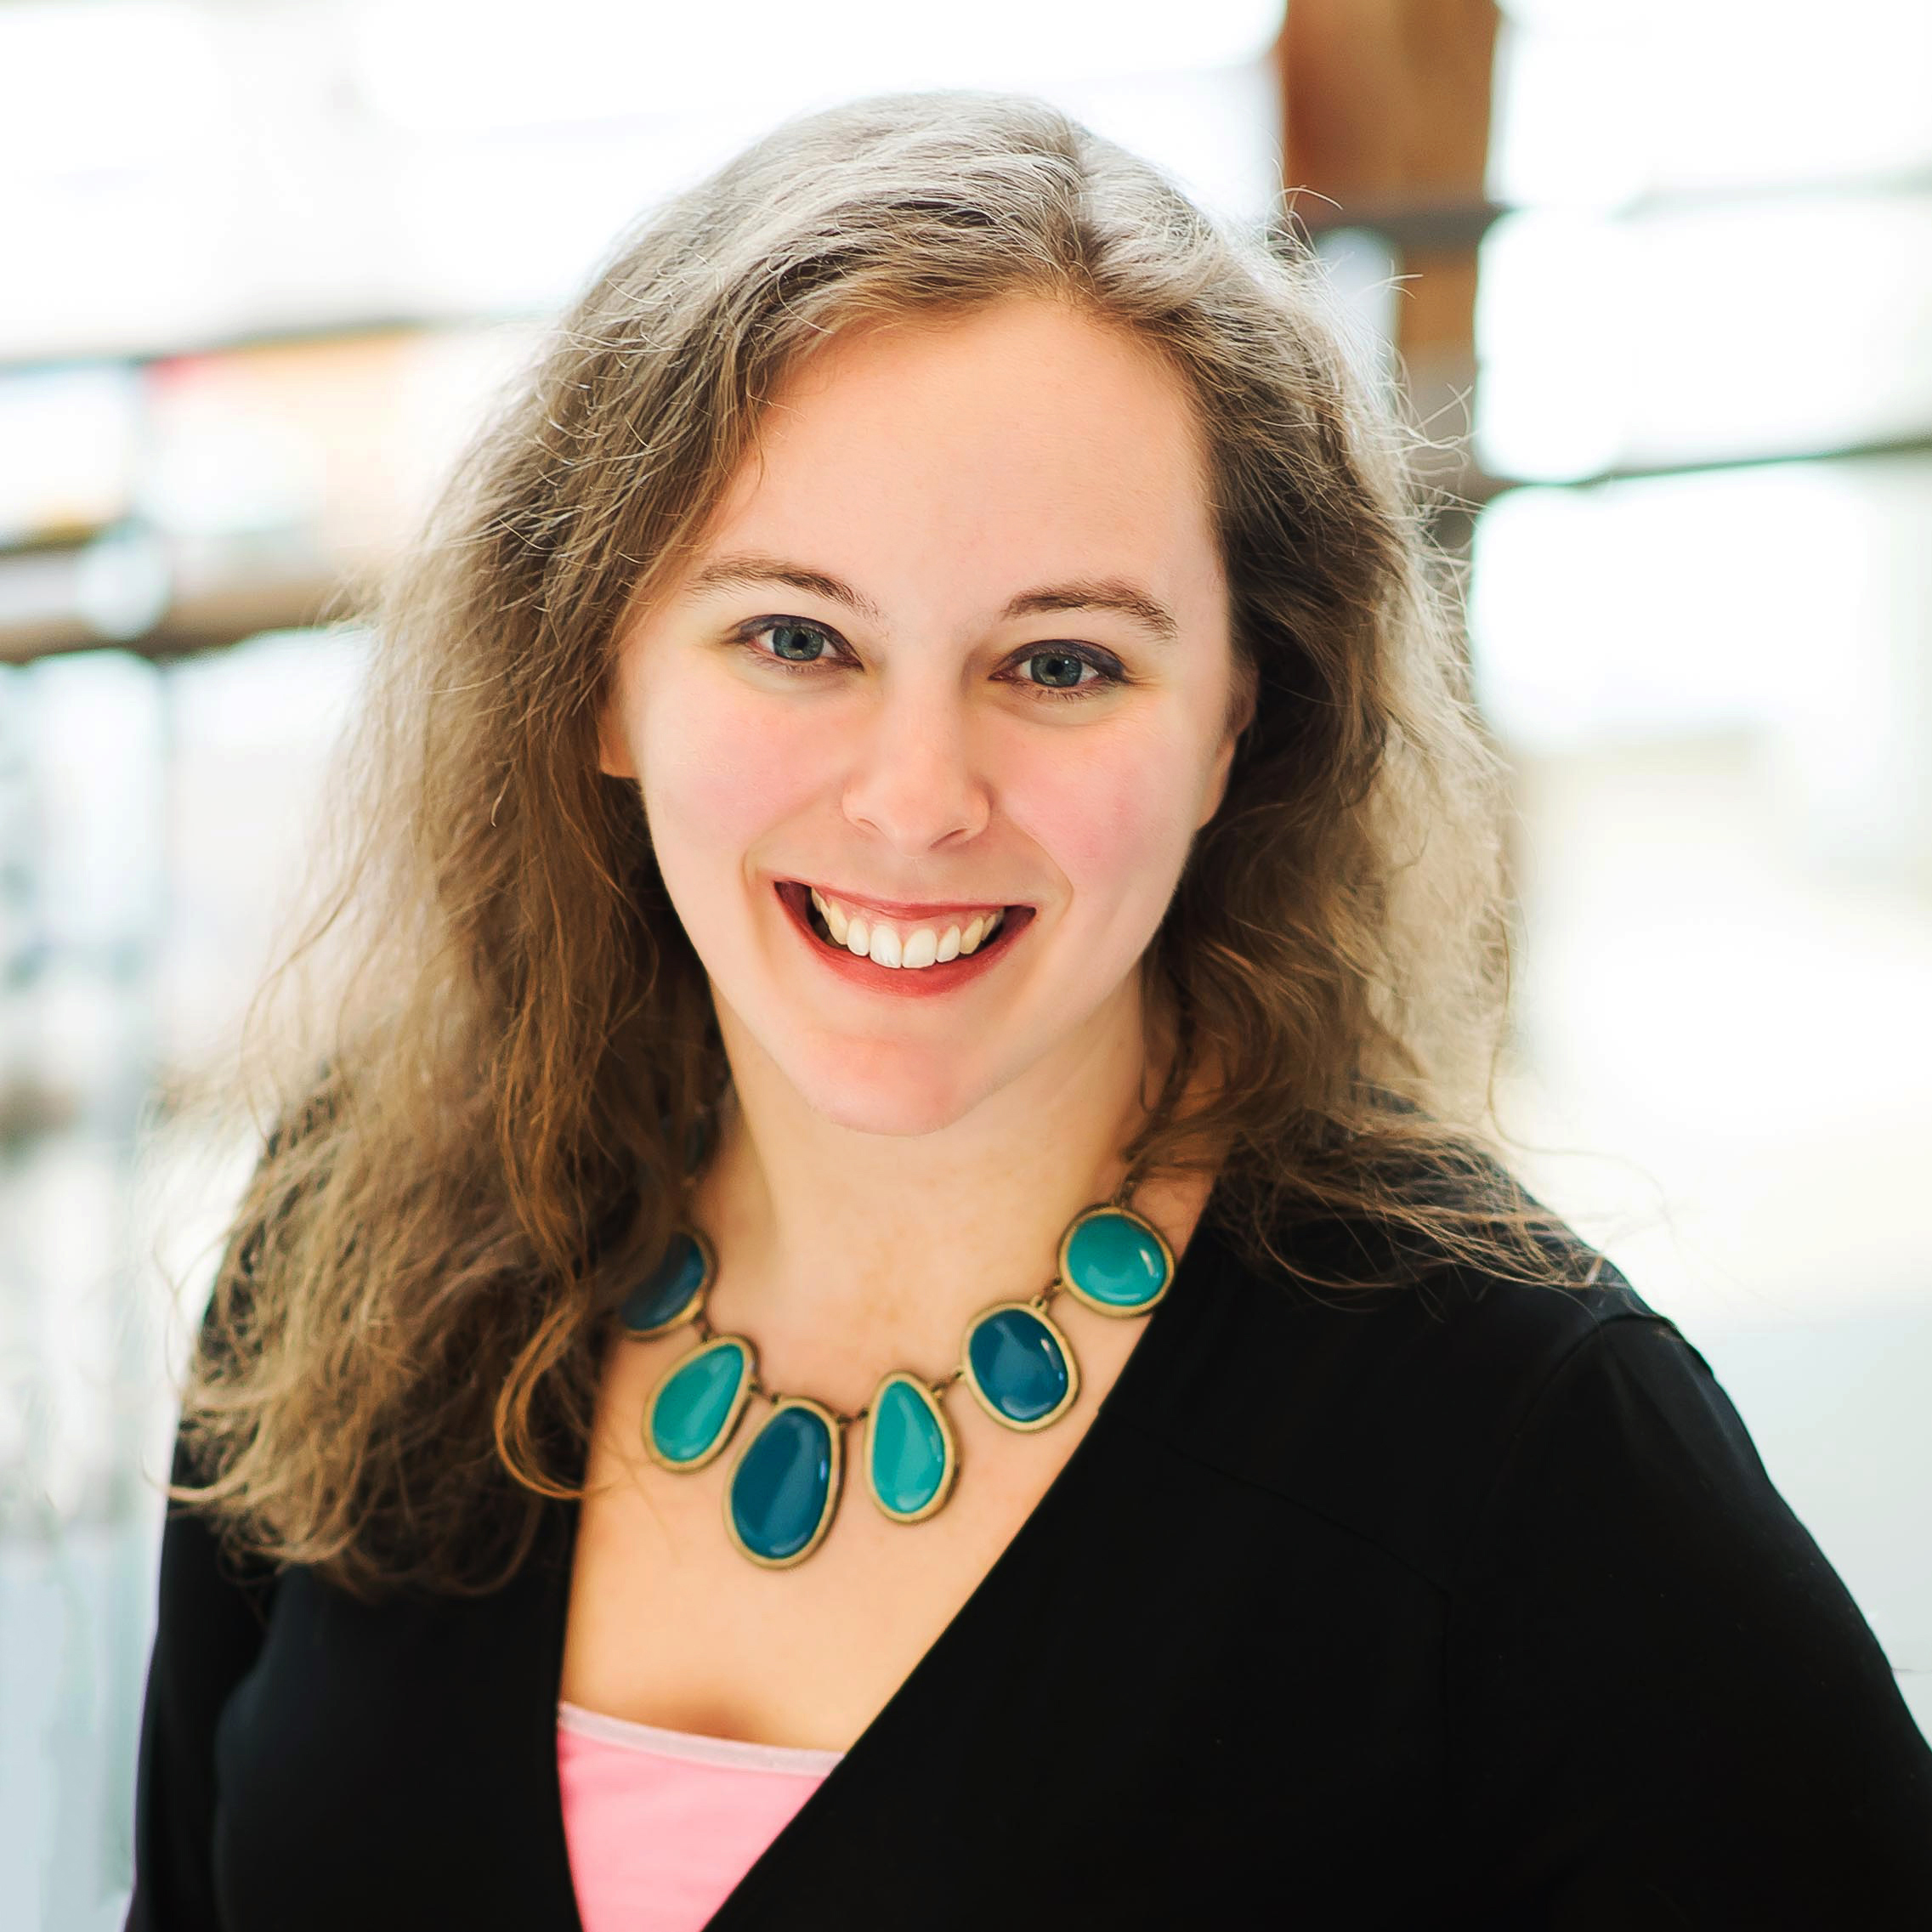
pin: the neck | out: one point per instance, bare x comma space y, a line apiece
850, 1252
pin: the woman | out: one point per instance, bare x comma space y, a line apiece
889, 1311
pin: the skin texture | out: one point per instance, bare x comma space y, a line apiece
938, 470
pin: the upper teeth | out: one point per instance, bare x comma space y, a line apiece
890, 943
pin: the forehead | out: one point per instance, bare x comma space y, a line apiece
1024, 440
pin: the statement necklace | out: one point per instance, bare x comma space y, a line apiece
784, 1487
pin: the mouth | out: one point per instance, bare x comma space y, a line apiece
908, 956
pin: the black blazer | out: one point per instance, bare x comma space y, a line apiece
1464, 1604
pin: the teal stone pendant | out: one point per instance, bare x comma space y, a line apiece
674, 1290
911, 1456
783, 1489
696, 1404
1019, 1366
1114, 1262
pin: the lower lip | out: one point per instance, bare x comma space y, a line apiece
901, 982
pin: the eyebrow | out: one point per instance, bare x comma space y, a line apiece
745, 569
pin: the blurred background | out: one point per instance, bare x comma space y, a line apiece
1658, 278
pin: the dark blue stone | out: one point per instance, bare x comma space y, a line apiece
1018, 1365
664, 1295
782, 1489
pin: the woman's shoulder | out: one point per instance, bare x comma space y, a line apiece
1390, 1410
1375, 1305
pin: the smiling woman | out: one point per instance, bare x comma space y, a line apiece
890, 1302
1004, 679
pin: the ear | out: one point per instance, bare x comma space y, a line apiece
1224, 758
614, 758
1217, 784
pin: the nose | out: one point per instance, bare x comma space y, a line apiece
913, 778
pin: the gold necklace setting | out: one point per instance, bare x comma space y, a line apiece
785, 1484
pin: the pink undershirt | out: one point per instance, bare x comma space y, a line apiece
662, 1824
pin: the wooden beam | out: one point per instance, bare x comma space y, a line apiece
1385, 110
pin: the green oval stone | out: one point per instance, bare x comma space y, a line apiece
905, 1448
781, 1490
1112, 1261
696, 1402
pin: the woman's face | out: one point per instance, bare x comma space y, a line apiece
955, 647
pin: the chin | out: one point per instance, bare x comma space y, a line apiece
889, 1092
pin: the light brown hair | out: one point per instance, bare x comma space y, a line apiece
400, 1360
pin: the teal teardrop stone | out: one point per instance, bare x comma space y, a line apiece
906, 1449
1018, 1366
696, 1405
1115, 1263
783, 1489
664, 1295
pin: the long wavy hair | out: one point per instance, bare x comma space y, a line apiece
487, 1137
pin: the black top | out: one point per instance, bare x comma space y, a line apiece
1467, 1603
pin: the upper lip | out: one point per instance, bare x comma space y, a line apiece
904, 908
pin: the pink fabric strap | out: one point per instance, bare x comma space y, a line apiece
662, 1824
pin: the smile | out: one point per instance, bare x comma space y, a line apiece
928, 951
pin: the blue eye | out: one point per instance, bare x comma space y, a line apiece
795, 643
799, 645
1062, 665
1066, 669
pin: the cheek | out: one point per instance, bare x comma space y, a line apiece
1114, 815
724, 768
720, 769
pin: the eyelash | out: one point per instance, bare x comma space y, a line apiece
1112, 673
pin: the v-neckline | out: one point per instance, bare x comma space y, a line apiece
1135, 1384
